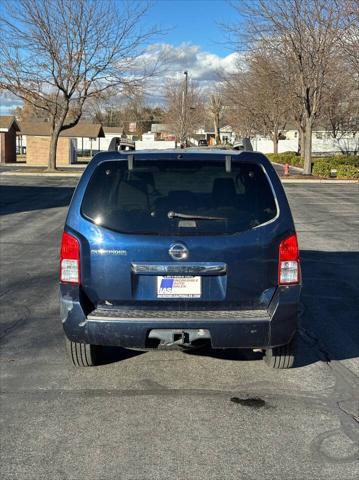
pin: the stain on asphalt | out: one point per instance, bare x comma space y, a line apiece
254, 402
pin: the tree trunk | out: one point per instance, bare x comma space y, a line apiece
308, 148
301, 141
217, 136
53, 149
275, 143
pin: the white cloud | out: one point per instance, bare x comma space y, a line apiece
8, 102
204, 67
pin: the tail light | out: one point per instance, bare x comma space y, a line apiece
289, 268
69, 259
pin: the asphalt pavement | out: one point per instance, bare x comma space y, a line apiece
174, 415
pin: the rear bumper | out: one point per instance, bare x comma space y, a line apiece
240, 329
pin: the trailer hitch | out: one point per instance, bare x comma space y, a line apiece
183, 338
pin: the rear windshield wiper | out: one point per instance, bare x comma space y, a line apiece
172, 214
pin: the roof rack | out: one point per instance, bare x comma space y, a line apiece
244, 144
118, 143
228, 163
130, 162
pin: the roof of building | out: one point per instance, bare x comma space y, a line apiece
223, 127
118, 130
43, 129
6, 122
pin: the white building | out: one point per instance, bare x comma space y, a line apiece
226, 133
149, 142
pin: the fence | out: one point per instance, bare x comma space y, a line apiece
319, 146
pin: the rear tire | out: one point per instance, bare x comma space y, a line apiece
82, 354
281, 357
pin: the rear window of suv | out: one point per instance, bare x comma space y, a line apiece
177, 197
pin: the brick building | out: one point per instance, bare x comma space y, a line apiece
38, 137
8, 129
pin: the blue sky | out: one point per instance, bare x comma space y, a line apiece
192, 39
194, 21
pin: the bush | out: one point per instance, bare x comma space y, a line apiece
348, 171
322, 168
340, 160
292, 158
346, 166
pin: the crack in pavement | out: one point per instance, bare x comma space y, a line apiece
24, 316
347, 385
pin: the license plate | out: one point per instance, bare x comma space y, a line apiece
178, 287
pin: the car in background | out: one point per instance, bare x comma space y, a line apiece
202, 143
169, 249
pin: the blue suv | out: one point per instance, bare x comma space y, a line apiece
164, 249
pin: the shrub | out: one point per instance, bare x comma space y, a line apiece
286, 157
348, 171
322, 168
346, 166
340, 160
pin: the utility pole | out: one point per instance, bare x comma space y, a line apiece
185, 107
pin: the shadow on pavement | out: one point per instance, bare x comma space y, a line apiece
109, 355
330, 317
19, 198
330, 299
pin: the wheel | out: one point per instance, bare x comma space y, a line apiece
82, 354
281, 357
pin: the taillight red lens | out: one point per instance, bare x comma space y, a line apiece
69, 259
289, 269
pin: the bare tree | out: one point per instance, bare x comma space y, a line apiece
215, 108
239, 111
349, 42
259, 89
305, 33
340, 106
184, 112
57, 54
28, 112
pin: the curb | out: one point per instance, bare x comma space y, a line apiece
38, 174
338, 182
18, 165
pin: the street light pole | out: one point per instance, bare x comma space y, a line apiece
185, 106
